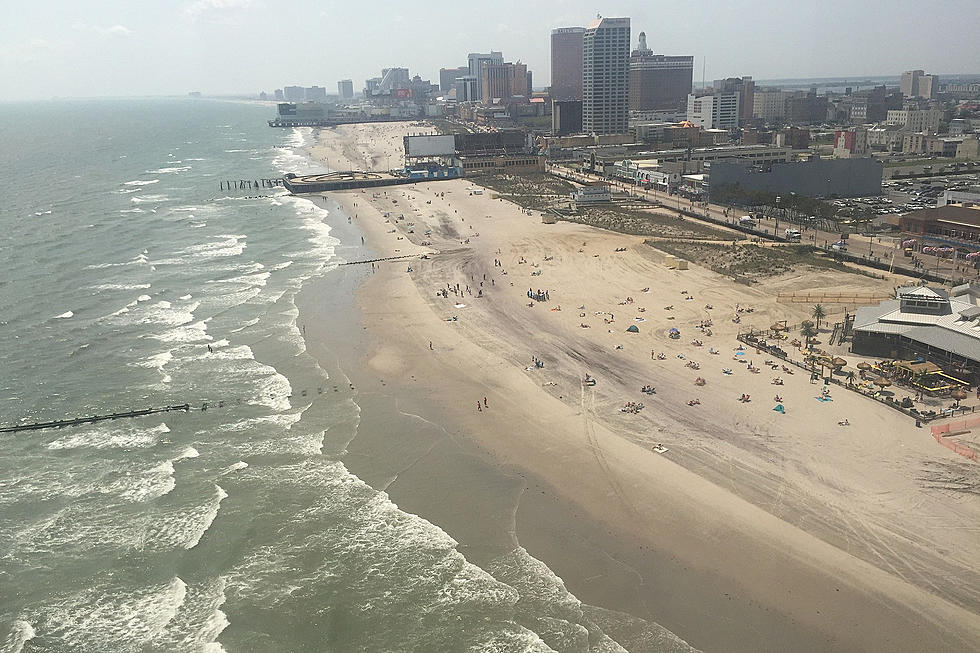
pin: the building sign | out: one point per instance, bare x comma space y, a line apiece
432, 145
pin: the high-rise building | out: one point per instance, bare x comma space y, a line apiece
916, 83
770, 104
345, 89
393, 79
467, 88
745, 88
566, 63
280, 97
447, 77
294, 93
909, 84
503, 81
928, 86
476, 62
658, 81
316, 94
605, 76
566, 117
713, 111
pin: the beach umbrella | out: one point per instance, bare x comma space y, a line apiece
633, 328
864, 366
960, 394
882, 383
839, 362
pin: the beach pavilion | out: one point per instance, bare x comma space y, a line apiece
927, 323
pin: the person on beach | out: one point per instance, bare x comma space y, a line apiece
485, 403
479, 408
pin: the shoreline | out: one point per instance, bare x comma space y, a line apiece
634, 531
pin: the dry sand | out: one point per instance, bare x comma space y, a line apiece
756, 531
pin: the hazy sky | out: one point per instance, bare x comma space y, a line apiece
149, 47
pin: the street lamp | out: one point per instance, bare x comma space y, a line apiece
775, 230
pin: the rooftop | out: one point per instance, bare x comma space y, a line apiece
963, 215
956, 331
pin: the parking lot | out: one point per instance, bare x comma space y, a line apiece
901, 196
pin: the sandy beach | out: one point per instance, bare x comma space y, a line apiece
754, 531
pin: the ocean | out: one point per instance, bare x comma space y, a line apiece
133, 280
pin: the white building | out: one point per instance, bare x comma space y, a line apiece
646, 172
592, 195
959, 198
718, 111
606, 76
916, 120
477, 62
888, 137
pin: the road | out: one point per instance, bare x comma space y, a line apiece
885, 249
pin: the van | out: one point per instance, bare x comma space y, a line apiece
793, 235
747, 221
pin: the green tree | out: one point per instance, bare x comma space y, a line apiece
818, 314
920, 378
808, 332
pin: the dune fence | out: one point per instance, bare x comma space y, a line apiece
939, 432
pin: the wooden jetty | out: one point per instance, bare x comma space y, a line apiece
78, 421
403, 257
250, 184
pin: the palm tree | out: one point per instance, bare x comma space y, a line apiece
808, 332
818, 314
920, 379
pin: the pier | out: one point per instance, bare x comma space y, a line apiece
333, 122
345, 180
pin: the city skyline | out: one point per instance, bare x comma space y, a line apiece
241, 46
